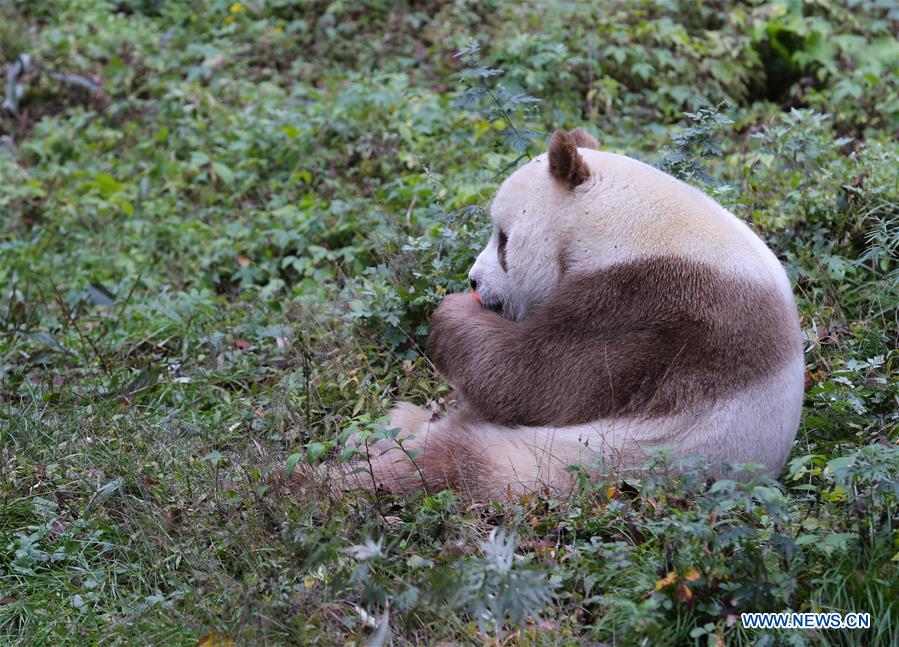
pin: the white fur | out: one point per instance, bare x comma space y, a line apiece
626, 211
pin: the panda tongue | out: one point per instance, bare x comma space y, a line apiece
477, 297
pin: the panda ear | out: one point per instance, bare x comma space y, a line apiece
565, 163
583, 139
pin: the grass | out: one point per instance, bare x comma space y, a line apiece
221, 260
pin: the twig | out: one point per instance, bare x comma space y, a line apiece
504, 112
409, 211
14, 91
81, 335
76, 80
306, 411
121, 311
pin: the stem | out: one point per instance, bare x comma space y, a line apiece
421, 476
503, 112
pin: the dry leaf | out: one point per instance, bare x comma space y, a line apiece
668, 580
215, 639
684, 594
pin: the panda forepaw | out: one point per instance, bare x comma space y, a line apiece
458, 304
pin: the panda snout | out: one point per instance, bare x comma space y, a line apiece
474, 283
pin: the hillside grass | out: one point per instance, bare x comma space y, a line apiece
224, 226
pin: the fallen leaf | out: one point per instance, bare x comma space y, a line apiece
684, 594
668, 580
215, 639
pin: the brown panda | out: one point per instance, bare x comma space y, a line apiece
619, 309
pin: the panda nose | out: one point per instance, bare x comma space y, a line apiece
474, 284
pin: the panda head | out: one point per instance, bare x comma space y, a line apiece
524, 260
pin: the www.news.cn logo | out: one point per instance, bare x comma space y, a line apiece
805, 620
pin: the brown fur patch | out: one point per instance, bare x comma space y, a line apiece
565, 163
648, 339
457, 460
562, 260
583, 139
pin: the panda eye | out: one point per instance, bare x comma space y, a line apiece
502, 239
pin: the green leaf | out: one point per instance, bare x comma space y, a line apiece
224, 173
291, 463
48, 340
840, 464
110, 488
100, 295
315, 451
105, 184
836, 541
